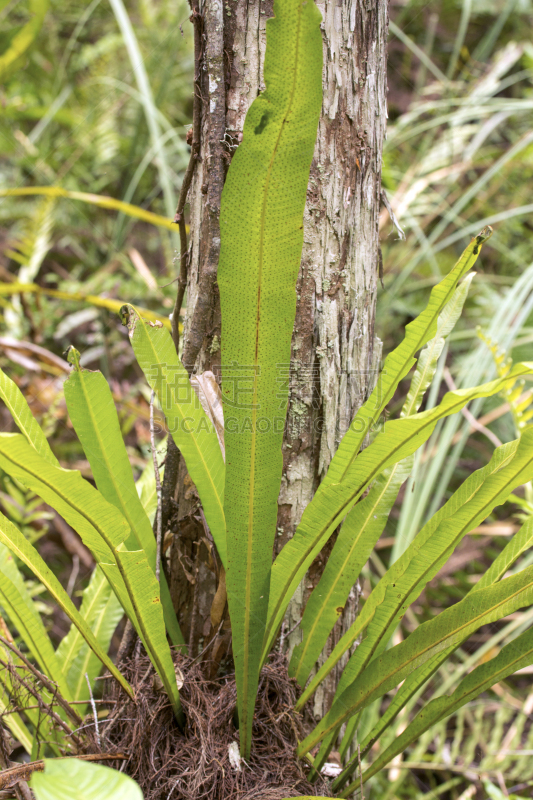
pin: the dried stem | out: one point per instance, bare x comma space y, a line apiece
93, 706
24, 771
21, 788
46, 708
172, 461
474, 423
158, 524
52, 687
196, 19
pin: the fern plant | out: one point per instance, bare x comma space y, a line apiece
261, 233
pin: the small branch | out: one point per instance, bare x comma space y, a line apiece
127, 643
196, 595
158, 524
285, 634
477, 426
21, 788
196, 19
392, 215
45, 707
24, 772
52, 687
93, 706
173, 456
73, 574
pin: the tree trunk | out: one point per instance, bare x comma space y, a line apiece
334, 358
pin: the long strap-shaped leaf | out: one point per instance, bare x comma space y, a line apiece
514, 656
92, 411
399, 362
102, 612
512, 551
366, 521
503, 455
12, 538
361, 530
473, 484
426, 556
26, 422
103, 529
103, 625
190, 427
259, 261
31, 629
448, 629
400, 439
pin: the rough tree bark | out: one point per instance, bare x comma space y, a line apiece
334, 354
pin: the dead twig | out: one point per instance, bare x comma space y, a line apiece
46, 708
93, 706
158, 524
21, 787
52, 687
173, 455
197, 20
9, 777
474, 423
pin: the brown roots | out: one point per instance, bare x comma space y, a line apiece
170, 764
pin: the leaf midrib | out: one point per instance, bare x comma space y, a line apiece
373, 602
471, 621
352, 499
464, 268
111, 472
336, 579
251, 502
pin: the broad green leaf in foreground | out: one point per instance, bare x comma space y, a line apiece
94, 417
92, 782
260, 253
448, 629
12, 538
399, 439
190, 427
143, 590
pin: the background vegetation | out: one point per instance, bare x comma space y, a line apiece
101, 103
